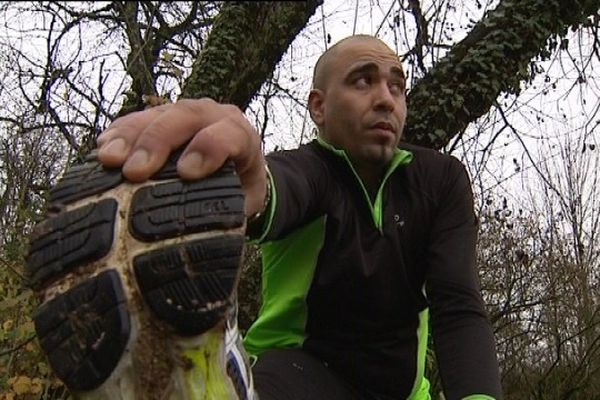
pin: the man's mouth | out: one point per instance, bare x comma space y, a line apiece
385, 126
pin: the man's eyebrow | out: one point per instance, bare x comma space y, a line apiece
399, 72
363, 68
370, 66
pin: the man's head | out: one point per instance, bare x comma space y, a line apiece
358, 99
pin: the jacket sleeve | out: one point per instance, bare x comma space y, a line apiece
299, 189
462, 333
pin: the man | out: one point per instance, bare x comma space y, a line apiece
364, 243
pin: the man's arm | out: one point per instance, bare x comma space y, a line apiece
299, 191
462, 333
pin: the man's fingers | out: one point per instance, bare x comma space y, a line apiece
147, 139
114, 151
116, 142
214, 144
230, 138
141, 143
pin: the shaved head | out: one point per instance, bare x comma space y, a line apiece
358, 101
322, 69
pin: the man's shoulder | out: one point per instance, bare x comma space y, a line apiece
306, 151
424, 157
309, 158
433, 170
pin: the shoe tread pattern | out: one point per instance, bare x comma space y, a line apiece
69, 239
190, 285
174, 208
84, 330
84, 180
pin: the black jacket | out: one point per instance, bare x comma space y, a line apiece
357, 281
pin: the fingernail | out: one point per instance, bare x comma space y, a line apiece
191, 162
104, 137
138, 160
116, 147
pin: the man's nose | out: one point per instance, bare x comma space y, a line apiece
384, 99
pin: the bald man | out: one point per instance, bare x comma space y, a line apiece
368, 244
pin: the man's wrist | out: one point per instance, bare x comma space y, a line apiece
259, 215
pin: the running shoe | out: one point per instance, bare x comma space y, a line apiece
137, 283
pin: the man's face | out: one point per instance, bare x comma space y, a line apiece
362, 105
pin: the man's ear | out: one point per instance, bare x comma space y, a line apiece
316, 105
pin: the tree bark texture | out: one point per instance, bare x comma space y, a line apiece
246, 42
492, 59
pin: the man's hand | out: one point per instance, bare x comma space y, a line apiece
141, 142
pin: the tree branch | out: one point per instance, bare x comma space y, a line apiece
236, 59
492, 59
17, 347
422, 38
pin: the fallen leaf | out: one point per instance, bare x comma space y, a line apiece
21, 385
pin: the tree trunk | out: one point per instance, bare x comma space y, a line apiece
492, 59
246, 42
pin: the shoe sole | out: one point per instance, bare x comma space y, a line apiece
121, 267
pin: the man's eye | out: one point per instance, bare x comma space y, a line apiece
362, 82
397, 88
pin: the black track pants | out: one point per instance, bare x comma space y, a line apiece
293, 374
